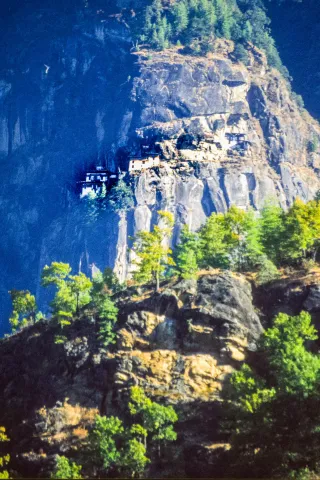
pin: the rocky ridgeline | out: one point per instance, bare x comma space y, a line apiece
180, 345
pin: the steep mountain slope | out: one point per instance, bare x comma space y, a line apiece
73, 95
180, 345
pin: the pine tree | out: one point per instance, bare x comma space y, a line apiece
224, 18
185, 254
272, 230
274, 414
153, 254
24, 309
120, 197
180, 17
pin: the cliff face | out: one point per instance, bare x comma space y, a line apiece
75, 96
180, 345
228, 135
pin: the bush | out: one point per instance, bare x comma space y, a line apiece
66, 469
241, 54
268, 272
312, 145
120, 197
308, 264
297, 99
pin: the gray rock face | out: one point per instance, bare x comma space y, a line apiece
78, 97
312, 302
228, 134
180, 346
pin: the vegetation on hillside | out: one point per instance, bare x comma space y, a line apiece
123, 447
274, 418
152, 251
196, 23
237, 240
4, 458
244, 241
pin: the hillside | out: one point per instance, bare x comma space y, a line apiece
180, 345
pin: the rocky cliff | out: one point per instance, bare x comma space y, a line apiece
180, 345
73, 95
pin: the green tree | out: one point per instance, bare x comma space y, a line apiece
181, 16
224, 18
80, 286
301, 231
202, 21
55, 274
72, 291
66, 469
114, 447
156, 30
111, 281
152, 252
108, 316
134, 459
4, 459
231, 240
105, 307
275, 421
24, 309
267, 271
214, 244
241, 54
156, 419
317, 196
185, 254
105, 440
313, 145
272, 230
121, 197
244, 238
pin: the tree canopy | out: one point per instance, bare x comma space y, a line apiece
153, 255
274, 410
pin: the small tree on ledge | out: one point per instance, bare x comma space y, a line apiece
152, 251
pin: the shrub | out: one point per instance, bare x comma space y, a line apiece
120, 197
297, 99
66, 469
267, 272
312, 145
241, 54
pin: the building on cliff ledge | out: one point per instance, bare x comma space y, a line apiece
138, 164
95, 180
